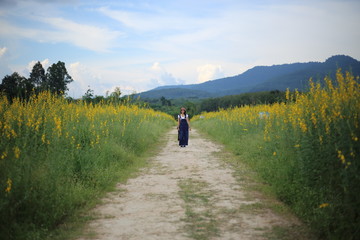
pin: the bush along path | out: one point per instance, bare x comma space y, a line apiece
58, 157
306, 148
192, 193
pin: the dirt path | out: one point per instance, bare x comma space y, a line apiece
186, 193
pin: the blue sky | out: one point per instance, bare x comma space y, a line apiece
138, 45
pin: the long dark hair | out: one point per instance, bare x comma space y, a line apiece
184, 111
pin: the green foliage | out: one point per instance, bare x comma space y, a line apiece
214, 104
170, 106
57, 156
114, 98
57, 79
175, 92
201, 220
165, 102
37, 75
88, 95
196, 106
16, 86
307, 150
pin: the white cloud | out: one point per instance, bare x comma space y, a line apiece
126, 18
157, 68
86, 77
182, 36
263, 34
45, 63
162, 77
209, 72
15, 2
2, 51
4, 62
81, 35
125, 90
83, 79
153, 20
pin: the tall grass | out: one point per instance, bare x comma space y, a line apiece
55, 156
307, 149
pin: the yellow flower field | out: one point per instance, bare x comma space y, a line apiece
307, 148
55, 155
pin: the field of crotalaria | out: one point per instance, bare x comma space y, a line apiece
56, 155
306, 148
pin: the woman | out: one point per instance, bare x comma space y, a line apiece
183, 127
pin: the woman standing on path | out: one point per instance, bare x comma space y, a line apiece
183, 127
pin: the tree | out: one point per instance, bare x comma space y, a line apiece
37, 75
57, 78
16, 86
88, 96
165, 102
190, 108
116, 93
114, 96
98, 99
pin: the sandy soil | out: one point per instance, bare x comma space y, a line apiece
186, 193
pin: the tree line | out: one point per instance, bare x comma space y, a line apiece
114, 97
197, 106
266, 97
55, 80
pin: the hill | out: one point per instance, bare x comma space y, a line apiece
172, 91
260, 78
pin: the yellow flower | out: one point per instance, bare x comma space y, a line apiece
9, 184
3, 155
323, 205
321, 139
303, 126
274, 153
287, 94
297, 145
57, 122
16, 152
341, 157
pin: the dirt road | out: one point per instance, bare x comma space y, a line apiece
188, 193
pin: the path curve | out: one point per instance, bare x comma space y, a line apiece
185, 193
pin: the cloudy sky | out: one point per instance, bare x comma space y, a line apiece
138, 44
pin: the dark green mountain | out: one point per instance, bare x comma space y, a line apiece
260, 78
170, 92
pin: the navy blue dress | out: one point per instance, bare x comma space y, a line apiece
183, 131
